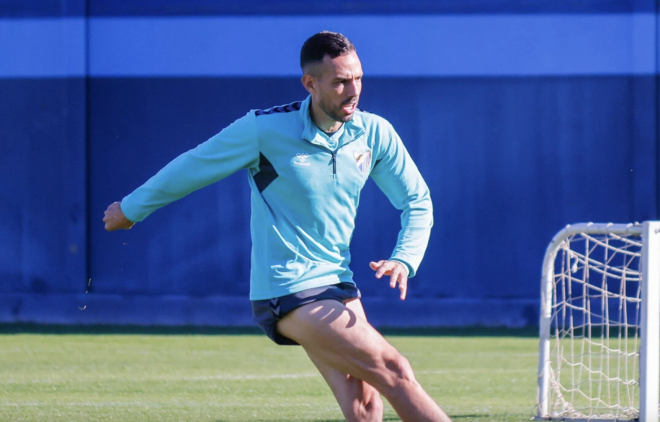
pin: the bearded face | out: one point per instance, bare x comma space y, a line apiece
335, 85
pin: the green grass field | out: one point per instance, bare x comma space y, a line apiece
48, 374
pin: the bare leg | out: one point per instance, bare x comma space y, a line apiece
339, 337
359, 401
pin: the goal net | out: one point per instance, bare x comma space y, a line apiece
599, 336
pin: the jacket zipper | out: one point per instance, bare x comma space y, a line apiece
334, 155
334, 163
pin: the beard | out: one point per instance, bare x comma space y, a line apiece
336, 112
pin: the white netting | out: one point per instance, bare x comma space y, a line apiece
595, 329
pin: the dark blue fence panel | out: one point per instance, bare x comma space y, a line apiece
43, 186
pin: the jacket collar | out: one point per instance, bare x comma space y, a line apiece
352, 130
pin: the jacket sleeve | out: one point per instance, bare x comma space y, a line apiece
397, 176
235, 147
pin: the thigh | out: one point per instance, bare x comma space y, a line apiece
346, 388
339, 337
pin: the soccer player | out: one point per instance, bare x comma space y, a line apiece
307, 163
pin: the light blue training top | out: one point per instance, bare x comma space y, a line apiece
305, 192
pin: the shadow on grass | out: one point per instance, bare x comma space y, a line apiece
25, 328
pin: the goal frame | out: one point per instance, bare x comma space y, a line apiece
649, 359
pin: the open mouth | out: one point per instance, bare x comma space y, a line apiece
350, 107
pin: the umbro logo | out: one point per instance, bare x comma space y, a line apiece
301, 160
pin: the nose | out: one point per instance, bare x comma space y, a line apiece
353, 88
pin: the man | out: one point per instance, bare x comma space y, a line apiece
307, 163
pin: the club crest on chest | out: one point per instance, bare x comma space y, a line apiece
362, 160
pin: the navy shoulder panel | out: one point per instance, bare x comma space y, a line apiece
281, 109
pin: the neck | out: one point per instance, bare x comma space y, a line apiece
322, 120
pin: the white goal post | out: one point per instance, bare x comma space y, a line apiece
600, 324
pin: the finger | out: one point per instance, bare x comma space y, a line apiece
384, 269
381, 267
107, 218
109, 210
375, 265
403, 286
395, 276
110, 222
112, 226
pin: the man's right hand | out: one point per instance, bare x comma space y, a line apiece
115, 219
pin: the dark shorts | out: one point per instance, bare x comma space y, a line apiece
267, 312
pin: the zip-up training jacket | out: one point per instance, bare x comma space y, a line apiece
305, 192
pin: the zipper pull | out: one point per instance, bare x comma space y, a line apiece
334, 165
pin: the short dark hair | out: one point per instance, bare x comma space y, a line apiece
318, 45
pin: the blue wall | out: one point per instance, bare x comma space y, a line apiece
522, 118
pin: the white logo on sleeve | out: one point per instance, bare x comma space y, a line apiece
301, 160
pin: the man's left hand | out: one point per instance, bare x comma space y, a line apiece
396, 271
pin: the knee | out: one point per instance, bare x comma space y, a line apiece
374, 405
398, 372
370, 407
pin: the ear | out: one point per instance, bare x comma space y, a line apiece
309, 82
